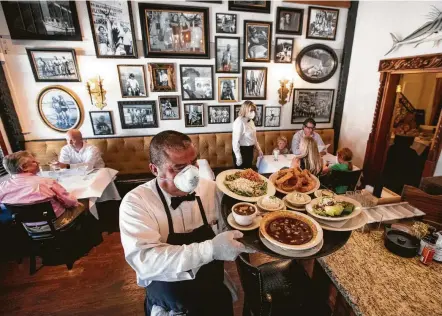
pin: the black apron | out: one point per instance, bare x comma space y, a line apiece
204, 295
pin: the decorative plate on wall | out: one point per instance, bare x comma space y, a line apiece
60, 108
316, 63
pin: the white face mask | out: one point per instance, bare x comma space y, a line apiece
251, 115
187, 179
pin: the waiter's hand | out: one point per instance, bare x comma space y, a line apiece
260, 153
238, 161
226, 248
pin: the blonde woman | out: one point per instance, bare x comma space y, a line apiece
244, 139
309, 158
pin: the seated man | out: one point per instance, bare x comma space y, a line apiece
79, 153
308, 130
25, 187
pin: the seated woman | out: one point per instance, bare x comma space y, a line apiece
309, 158
282, 145
26, 187
344, 155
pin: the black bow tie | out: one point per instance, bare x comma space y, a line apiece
175, 201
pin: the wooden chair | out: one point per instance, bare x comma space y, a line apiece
337, 178
431, 205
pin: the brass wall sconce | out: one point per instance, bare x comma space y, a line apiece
285, 92
96, 92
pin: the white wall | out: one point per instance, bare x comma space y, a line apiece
375, 21
25, 90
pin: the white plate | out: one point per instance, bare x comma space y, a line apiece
318, 193
281, 205
352, 224
220, 183
339, 198
288, 205
254, 225
273, 176
291, 253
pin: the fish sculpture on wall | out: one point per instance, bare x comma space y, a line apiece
429, 32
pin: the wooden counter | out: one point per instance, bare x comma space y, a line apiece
376, 282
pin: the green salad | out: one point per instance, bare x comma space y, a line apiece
329, 207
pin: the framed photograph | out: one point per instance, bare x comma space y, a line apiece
228, 89
169, 107
289, 21
322, 23
196, 82
53, 64
219, 114
174, 31
258, 117
102, 122
112, 29
60, 108
162, 77
227, 54
284, 50
250, 6
42, 20
254, 83
132, 82
316, 63
272, 116
257, 41
194, 115
316, 103
226, 23
138, 114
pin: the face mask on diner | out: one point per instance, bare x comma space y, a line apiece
186, 180
251, 115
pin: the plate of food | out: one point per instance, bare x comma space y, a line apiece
295, 180
291, 253
244, 185
291, 230
337, 208
270, 203
292, 207
324, 193
297, 199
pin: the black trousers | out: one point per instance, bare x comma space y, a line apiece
247, 157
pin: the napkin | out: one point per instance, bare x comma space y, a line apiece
337, 224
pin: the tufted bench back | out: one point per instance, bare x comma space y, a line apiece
130, 155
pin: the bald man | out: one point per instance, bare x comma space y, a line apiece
79, 153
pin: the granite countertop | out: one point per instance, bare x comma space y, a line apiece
376, 282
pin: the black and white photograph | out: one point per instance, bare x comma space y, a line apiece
174, 31
322, 23
112, 29
228, 90
316, 63
132, 81
315, 103
227, 54
289, 21
194, 115
226, 23
102, 122
53, 64
169, 107
42, 20
60, 108
196, 82
219, 114
250, 6
254, 84
162, 77
272, 116
258, 116
257, 41
284, 50
138, 114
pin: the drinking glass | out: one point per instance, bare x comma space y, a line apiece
275, 154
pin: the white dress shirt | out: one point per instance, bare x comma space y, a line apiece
296, 141
243, 134
88, 155
144, 230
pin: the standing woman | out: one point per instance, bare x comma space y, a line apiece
244, 139
309, 158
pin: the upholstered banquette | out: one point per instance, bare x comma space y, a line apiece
130, 155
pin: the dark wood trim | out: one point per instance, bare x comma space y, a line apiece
336, 4
408, 64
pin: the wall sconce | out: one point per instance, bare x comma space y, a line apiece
96, 92
398, 89
285, 92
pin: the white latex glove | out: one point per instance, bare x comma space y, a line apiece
238, 161
226, 248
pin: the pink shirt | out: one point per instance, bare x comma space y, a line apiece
27, 188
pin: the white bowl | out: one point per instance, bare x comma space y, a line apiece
264, 208
244, 220
292, 196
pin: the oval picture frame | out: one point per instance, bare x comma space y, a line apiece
312, 69
60, 108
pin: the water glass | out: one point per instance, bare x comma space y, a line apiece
275, 154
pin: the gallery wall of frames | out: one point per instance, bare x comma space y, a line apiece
117, 68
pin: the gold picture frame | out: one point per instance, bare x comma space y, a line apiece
229, 83
155, 82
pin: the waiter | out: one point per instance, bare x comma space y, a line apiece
171, 234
